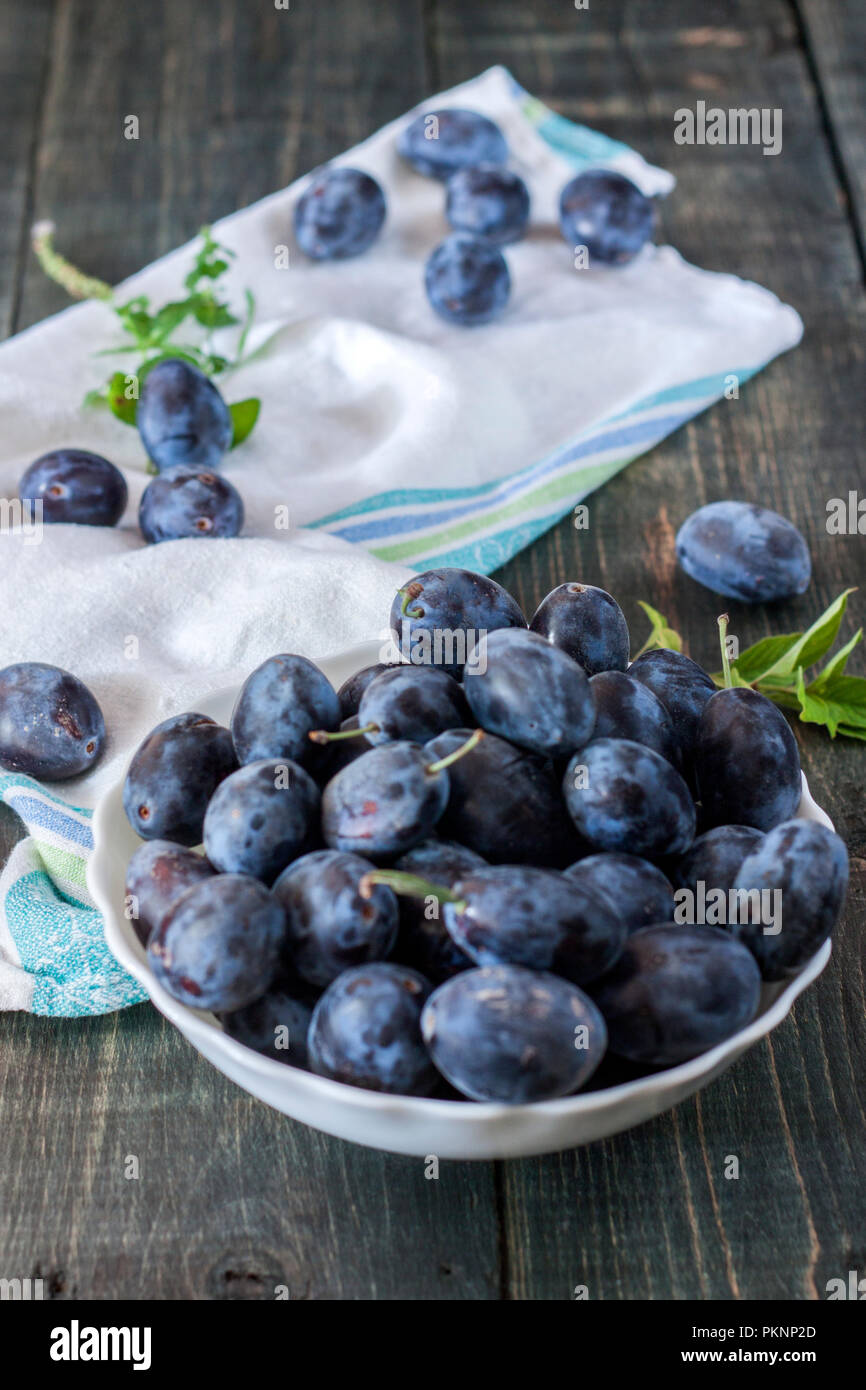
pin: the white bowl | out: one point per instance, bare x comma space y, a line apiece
407, 1124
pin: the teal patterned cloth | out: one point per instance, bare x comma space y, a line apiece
53, 955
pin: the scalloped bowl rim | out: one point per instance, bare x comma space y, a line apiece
205, 1033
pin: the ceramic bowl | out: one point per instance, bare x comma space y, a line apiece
407, 1124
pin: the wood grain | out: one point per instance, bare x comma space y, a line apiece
233, 1199
650, 1214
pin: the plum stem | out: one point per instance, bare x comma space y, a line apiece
408, 886
76, 283
473, 740
726, 665
411, 591
322, 735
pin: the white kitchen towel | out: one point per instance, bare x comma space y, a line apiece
381, 425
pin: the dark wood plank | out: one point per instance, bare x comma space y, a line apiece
233, 1198
649, 1214
24, 49
834, 34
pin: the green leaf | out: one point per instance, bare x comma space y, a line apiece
170, 317
756, 661
211, 314
836, 666
247, 324
815, 641
842, 700
120, 402
95, 400
852, 733
662, 635
244, 416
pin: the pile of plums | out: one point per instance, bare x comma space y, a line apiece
472, 870
342, 211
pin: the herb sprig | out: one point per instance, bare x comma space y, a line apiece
782, 669
152, 330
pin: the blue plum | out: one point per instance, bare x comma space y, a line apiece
423, 940
351, 690
182, 418
745, 552
488, 201
189, 503
715, 857
386, 801
261, 818
467, 280
51, 726
533, 917
366, 1031
339, 214
683, 688
607, 214
75, 486
414, 703
507, 1034
330, 926
587, 623
624, 797
173, 774
219, 946
506, 804
636, 889
157, 875
279, 705
439, 616
747, 767
529, 692
675, 992
626, 708
276, 1025
808, 865
438, 143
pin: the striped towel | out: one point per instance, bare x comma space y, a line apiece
53, 956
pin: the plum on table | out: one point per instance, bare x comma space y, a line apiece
467, 280
75, 486
182, 418
173, 774
488, 201
745, 552
438, 143
605, 212
51, 725
339, 214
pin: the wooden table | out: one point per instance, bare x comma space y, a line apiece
234, 100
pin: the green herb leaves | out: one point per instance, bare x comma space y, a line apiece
661, 635
778, 667
152, 331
